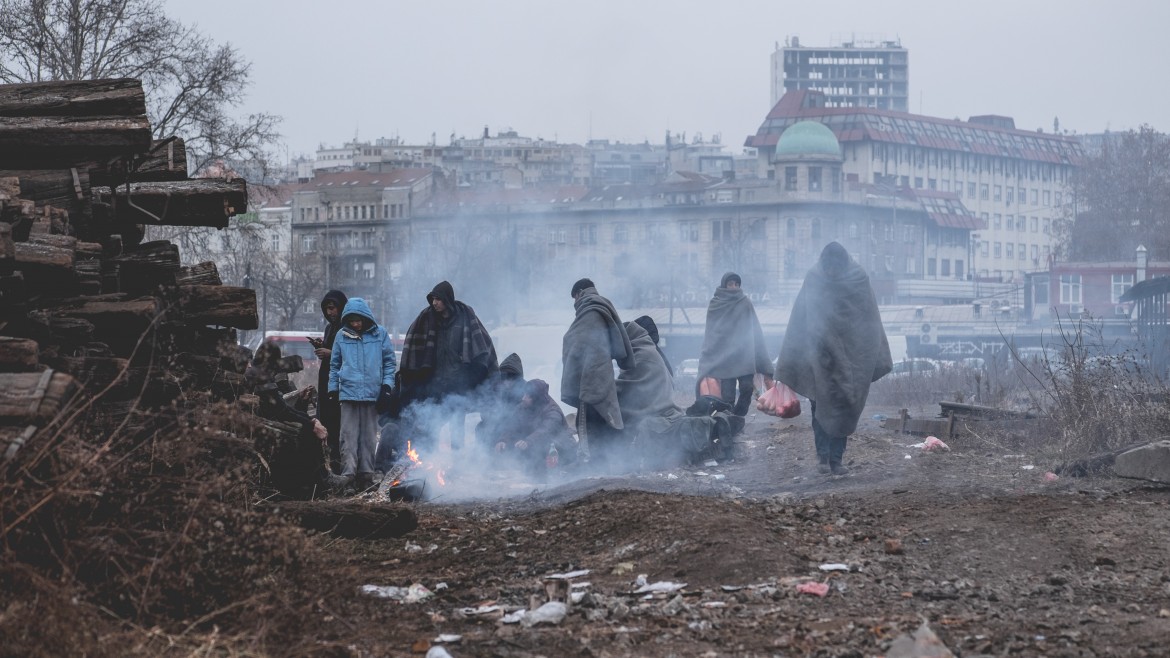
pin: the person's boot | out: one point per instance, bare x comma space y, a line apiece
837, 468
823, 466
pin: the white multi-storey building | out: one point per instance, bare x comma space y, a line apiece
857, 73
1016, 181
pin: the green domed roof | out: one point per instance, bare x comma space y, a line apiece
808, 138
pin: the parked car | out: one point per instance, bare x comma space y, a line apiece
915, 367
686, 374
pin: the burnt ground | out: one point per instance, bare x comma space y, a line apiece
997, 560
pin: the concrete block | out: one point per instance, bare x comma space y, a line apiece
1149, 462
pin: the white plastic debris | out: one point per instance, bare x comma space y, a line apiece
437, 651
448, 638
552, 613
908, 457
1028, 467
662, 586
834, 566
671, 476
718, 476
710, 463
640, 581
413, 594
702, 474
513, 617
568, 575
714, 604
481, 611
412, 547
440, 586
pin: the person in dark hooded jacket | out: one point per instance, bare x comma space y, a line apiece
647, 323
328, 410
835, 346
498, 397
447, 354
733, 344
535, 426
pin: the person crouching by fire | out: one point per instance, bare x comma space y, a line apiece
536, 435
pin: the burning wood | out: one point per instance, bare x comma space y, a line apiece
408, 478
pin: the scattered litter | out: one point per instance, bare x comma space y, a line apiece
710, 463
834, 566
568, 575
622, 568
448, 638
671, 476
412, 547
1028, 467
718, 476
513, 617
714, 604
437, 652
552, 613
702, 474
662, 586
412, 594
819, 589
879, 417
931, 443
924, 644
1051, 477
640, 581
909, 457
1014, 456
576, 597
675, 606
440, 586
481, 611
733, 588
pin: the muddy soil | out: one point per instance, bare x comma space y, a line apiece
995, 558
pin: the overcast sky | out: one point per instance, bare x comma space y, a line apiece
631, 69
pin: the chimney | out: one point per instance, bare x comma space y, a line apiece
1142, 261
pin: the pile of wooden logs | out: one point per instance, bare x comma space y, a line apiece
85, 306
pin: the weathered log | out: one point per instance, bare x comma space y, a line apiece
18, 354
63, 142
227, 306
350, 519
116, 323
34, 397
12, 296
203, 274
74, 98
198, 202
8, 249
46, 269
58, 241
165, 161
144, 267
67, 189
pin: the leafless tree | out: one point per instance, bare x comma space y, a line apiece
192, 83
1122, 199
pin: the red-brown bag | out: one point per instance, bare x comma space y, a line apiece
779, 401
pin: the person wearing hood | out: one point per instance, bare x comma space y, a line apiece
447, 354
535, 427
596, 338
647, 323
498, 398
834, 348
733, 344
361, 369
329, 411
660, 427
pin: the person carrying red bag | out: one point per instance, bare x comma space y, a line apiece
834, 348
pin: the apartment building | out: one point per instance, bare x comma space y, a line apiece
860, 72
1015, 181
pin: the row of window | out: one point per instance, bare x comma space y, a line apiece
980, 191
923, 158
1070, 288
1012, 250
351, 211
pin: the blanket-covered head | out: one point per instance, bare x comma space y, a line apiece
834, 259
647, 323
730, 277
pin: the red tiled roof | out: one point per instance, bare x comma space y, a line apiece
862, 123
489, 197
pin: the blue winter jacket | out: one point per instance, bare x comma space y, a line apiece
360, 363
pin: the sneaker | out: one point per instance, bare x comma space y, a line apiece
839, 469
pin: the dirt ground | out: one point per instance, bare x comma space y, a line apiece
997, 560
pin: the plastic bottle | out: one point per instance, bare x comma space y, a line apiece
553, 458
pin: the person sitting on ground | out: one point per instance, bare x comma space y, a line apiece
361, 369
647, 323
661, 430
498, 398
535, 427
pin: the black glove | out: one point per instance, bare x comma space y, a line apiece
385, 399
333, 396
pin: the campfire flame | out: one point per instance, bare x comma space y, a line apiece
416, 462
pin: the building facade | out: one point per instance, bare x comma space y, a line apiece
1015, 181
857, 73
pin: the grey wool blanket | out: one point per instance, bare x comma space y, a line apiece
596, 338
733, 342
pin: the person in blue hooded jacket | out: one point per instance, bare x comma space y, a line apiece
361, 369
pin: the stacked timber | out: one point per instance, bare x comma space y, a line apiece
91, 318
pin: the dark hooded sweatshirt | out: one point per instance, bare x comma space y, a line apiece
835, 345
331, 329
446, 355
733, 342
